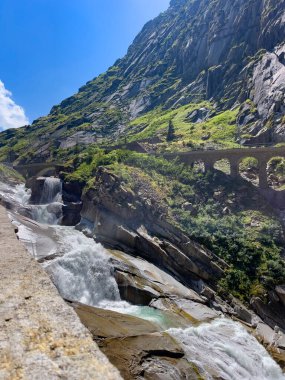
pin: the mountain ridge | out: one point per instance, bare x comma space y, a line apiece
197, 50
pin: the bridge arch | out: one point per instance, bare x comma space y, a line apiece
276, 173
248, 168
198, 166
223, 165
47, 172
37, 169
210, 157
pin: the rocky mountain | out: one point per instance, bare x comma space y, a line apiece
229, 53
205, 73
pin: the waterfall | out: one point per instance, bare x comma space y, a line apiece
49, 211
221, 349
52, 191
83, 274
224, 349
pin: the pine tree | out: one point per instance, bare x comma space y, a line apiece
170, 132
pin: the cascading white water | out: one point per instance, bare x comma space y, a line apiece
18, 195
224, 349
83, 273
22, 194
221, 349
49, 211
52, 191
47, 214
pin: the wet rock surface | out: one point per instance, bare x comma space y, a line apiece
110, 324
138, 348
144, 231
152, 356
128, 340
40, 336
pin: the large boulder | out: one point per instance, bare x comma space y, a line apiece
273, 314
110, 324
151, 356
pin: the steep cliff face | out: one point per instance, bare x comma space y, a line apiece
195, 50
230, 52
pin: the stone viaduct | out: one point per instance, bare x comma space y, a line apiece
208, 157
38, 169
234, 156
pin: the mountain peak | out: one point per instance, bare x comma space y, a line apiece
177, 3
214, 51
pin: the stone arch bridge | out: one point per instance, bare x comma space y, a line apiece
209, 157
38, 169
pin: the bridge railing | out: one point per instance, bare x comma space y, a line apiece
240, 147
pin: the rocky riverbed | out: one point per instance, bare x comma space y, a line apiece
144, 318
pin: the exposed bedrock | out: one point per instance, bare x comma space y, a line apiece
71, 198
138, 348
138, 225
264, 118
41, 337
148, 255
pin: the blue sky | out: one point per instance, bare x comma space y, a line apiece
49, 48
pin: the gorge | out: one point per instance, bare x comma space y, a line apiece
151, 203
109, 284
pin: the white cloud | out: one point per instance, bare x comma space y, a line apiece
11, 115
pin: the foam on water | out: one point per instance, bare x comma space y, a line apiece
219, 349
18, 194
22, 194
49, 211
47, 214
84, 274
224, 348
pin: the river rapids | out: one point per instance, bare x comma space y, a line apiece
81, 271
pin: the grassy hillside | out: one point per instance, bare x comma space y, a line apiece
9, 175
229, 217
47, 141
218, 129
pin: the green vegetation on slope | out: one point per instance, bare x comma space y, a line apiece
9, 175
228, 217
217, 129
46, 138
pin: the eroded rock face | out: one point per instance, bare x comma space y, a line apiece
133, 224
110, 324
135, 346
272, 314
151, 355
41, 337
139, 224
37, 187
267, 92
